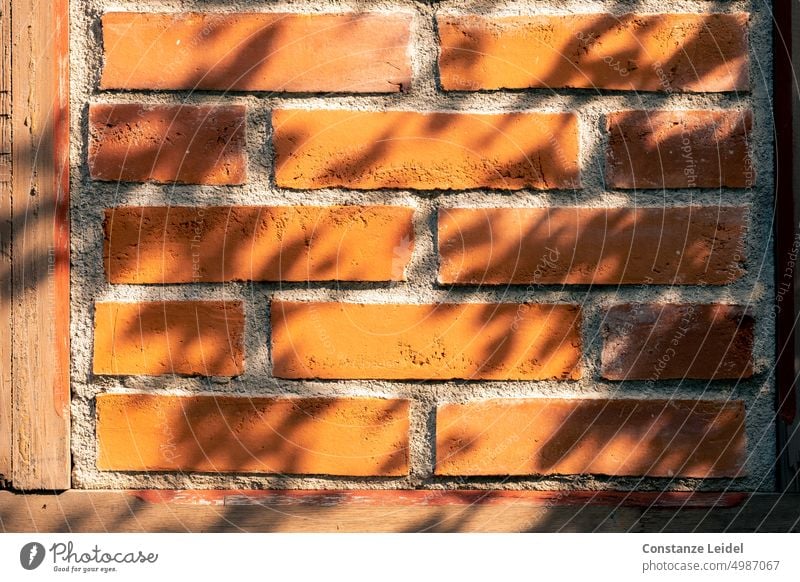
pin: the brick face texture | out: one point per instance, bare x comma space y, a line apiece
195, 338
423, 244
655, 438
571, 245
595, 51
649, 342
425, 342
425, 151
170, 143
334, 436
255, 243
257, 52
679, 149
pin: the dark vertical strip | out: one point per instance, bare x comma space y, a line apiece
785, 101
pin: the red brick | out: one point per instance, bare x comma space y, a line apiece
670, 341
366, 150
224, 434
353, 53
192, 338
629, 52
679, 149
666, 245
499, 341
653, 438
167, 143
257, 243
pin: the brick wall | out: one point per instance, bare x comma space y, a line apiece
403, 244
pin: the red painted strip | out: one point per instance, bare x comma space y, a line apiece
435, 497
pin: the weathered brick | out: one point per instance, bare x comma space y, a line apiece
669, 341
654, 438
192, 338
497, 341
354, 53
666, 245
638, 52
257, 243
190, 144
222, 434
679, 149
425, 151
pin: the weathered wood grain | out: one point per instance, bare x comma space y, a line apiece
40, 267
396, 511
5, 239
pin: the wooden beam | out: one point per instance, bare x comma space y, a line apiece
396, 511
40, 265
5, 240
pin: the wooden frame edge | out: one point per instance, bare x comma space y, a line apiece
40, 236
397, 511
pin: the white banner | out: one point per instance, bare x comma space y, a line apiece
400, 557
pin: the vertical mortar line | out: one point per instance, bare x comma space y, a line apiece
261, 164
421, 437
760, 410
422, 274
423, 47
593, 141
85, 207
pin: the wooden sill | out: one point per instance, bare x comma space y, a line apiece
396, 511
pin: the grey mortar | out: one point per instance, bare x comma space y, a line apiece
754, 290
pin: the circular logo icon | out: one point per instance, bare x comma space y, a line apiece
31, 555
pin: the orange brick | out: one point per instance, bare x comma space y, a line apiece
653, 438
631, 52
679, 149
669, 341
187, 144
223, 434
365, 150
257, 243
192, 338
498, 341
688, 246
353, 53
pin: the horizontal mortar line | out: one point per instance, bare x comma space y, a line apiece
390, 6
569, 7
269, 7
411, 295
254, 194
589, 388
93, 479
506, 101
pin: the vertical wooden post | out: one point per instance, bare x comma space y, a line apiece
5, 239
40, 262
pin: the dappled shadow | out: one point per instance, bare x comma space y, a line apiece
257, 52
592, 246
366, 438
436, 152
591, 51
502, 341
224, 434
257, 243
639, 438
204, 338
167, 144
